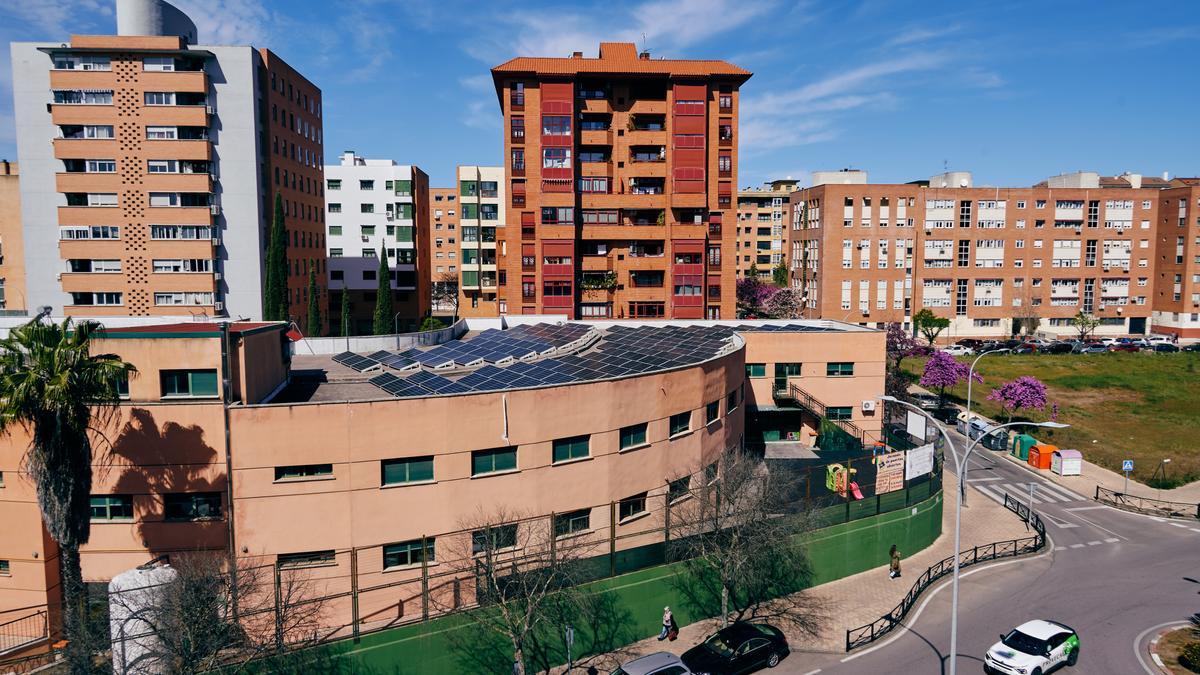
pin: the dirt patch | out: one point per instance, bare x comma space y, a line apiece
1171, 644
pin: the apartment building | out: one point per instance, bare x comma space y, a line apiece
12, 253
983, 257
149, 168
377, 207
312, 475
1177, 261
763, 216
443, 224
621, 171
482, 197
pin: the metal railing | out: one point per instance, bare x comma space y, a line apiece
23, 631
865, 635
813, 405
1154, 507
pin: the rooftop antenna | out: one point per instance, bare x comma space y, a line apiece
945, 166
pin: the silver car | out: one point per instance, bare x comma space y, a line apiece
658, 663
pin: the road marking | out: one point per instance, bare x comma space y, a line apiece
1064, 525
1076, 545
987, 490
1193, 529
813, 672
1177, 525
1094, 543
1098, 527
1158, 661
1060, 548
1137, 644
1086, 508
1112, 540
1157, 519
980, 480
1063, 492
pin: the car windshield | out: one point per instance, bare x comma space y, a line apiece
717, 644
1024, 643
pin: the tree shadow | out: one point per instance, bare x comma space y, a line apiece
171, 459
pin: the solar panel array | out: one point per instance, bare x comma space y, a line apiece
624, 351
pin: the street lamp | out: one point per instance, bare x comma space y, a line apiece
1162, 466
960, 469
970, 381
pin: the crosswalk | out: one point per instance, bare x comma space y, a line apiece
1043, 493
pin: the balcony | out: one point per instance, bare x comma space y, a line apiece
646, 185
687, 301
558, 302
557, 270
687, 269
195, 81
655, 137
648, 106
596, 136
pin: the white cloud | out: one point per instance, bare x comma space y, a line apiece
55, 19
1156, 37
229, 22
921, 34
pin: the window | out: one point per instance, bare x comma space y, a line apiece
408, 553
408, 470
5, 568
112, 507
90, 97
712, 412
573, 522
633, 436
303, 471
839, 413
305, 559
184, 265
188, 298
366, 208
840, 369
556, 125
366, 185
711, 473
189, 383
493, 461
158, 63
680, 423
160, 98
731, 401
192, 506
783, 371
566, 449
496, 538
333, 184
556, 158
756, 370
631, 506
677, 489
97, 298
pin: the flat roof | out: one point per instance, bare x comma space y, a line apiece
189, 330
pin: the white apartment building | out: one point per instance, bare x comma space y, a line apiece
481, 200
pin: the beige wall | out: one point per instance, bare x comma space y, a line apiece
12, 247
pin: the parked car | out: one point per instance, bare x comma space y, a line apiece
658, 663
1109, 342
1165, 347
1058, 348
1125, 347
1026, 348
1094, 348
1194, 347
971, 343
1158, 338
738, 648
1010, 344
926, 401
958, 350
1035, 647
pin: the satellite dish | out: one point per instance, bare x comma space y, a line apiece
962, 182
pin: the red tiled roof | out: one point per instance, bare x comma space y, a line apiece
620, 58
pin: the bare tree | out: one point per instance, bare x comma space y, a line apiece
445, 292
739, 532
526, 576
1026, 318
186, 625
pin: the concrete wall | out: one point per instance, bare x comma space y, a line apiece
372, 343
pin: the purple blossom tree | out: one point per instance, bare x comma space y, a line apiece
1024, 393
783, 304
753, 294
942, 371
899, 345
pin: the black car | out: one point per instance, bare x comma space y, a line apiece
737, 648
1165, 347
1194, 347
1058, 348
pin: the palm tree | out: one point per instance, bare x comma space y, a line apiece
53, 387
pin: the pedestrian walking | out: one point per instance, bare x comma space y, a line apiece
667, 620
673, 631
894, 567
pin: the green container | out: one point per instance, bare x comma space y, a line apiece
1021, 445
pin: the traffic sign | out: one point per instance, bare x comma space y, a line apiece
1127, 465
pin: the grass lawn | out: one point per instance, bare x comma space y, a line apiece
1139, 406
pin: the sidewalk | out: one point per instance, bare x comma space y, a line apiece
859, 599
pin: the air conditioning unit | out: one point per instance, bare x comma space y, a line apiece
868, 405
216, 241
211, 110
214, 209
217, 276
219, 306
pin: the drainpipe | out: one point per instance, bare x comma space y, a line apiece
226, 398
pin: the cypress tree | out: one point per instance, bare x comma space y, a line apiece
345, 312
314, 307
275, 293
383, 297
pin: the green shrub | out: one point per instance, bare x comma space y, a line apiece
1189, 656
432, 323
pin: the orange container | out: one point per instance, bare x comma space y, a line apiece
1041, 455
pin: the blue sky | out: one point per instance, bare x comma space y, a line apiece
1013, 91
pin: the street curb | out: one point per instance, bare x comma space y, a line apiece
1153, 648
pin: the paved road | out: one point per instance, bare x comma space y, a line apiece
1111, 575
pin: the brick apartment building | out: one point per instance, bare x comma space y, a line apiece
985, 256
443, 225
149, 167
763, 216
12, 257
1177, 261
482, 192
374, 206
621, 171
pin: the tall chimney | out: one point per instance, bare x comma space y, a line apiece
1166, 175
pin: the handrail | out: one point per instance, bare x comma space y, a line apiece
864, 635
1155, 507
23, 631
816, 407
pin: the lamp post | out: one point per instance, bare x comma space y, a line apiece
959, 468
396, 328
1162, 466
970, 381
